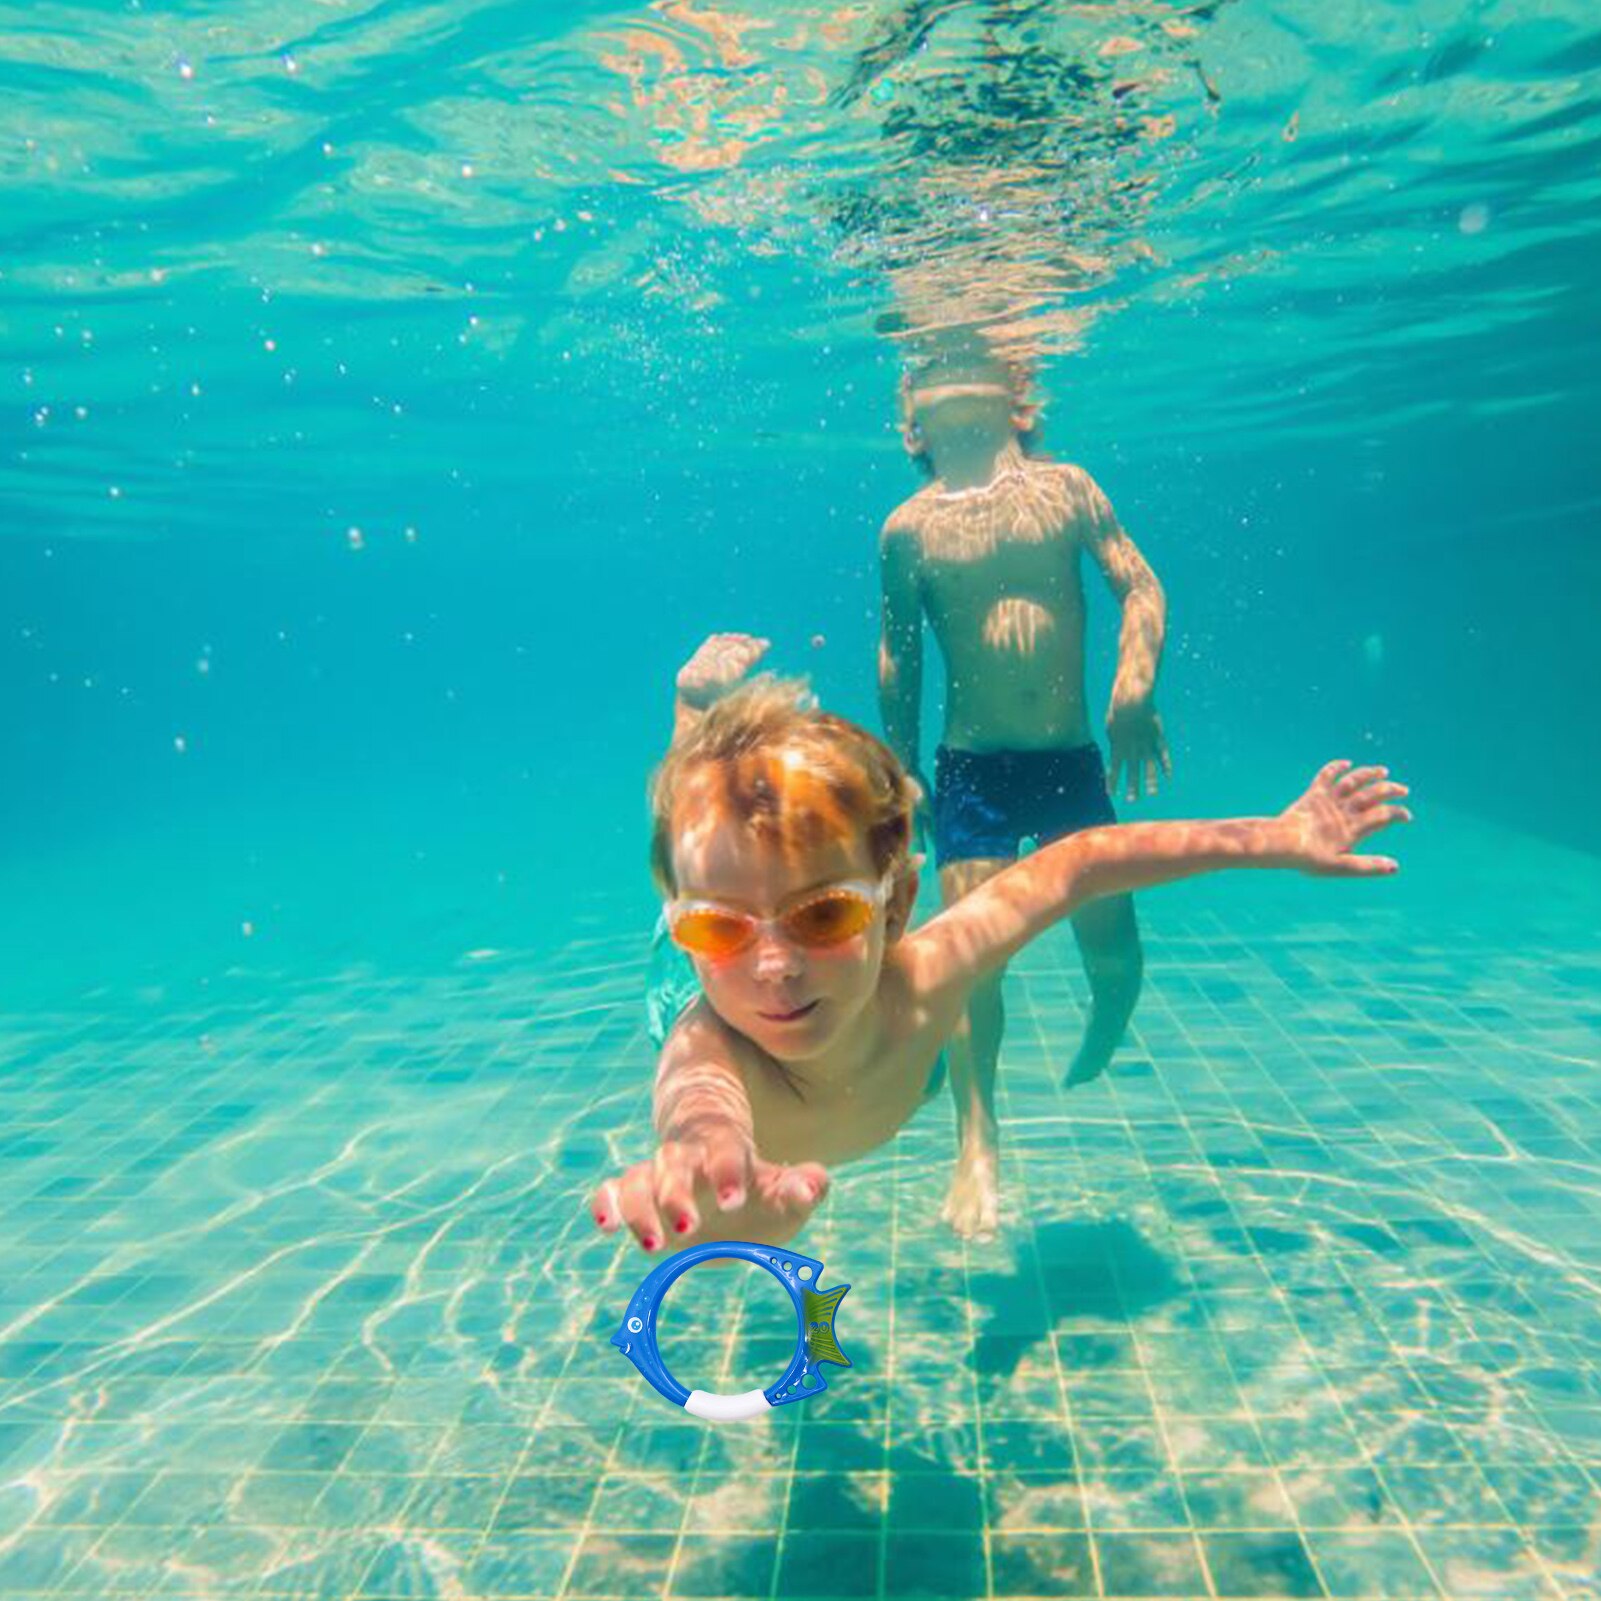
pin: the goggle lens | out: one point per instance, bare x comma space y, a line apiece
705, 932
830, 919
827, 919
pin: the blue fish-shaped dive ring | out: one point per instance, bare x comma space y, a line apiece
815, 1342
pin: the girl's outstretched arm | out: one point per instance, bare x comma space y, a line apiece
1319, 834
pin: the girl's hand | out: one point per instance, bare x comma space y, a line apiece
721, 661
1344, 806
689, 1187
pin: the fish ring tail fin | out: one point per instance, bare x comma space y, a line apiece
822, 1345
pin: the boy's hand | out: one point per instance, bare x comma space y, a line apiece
674, 1193
1342, 808
717, 666
1138, 746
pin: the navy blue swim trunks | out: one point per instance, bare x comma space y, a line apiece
986, 803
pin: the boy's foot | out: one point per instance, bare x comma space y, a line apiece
1101, 1040
1093, 1059
973, 1206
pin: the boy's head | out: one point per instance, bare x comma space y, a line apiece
963, 383
782, 826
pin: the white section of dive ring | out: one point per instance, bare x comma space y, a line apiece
727, 1408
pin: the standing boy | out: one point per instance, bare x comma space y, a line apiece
990, 553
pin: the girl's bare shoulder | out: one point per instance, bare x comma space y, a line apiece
922, 986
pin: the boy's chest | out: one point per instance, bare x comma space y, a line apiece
1027, 597
991, 548
1031, 514
837, 1123
962, 584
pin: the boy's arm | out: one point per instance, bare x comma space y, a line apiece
706, 1180
1318, 834
900, 645
1138, 746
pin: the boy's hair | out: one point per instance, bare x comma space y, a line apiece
788, 772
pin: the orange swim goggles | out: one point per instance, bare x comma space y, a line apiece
825, 917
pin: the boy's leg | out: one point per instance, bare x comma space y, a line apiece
1108, 937
1067, 791
972, 1207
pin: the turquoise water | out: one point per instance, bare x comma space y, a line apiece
392, 397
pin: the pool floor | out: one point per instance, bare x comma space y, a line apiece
299, 1298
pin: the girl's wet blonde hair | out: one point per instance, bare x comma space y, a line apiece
790, 773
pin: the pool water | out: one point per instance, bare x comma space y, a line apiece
393, 397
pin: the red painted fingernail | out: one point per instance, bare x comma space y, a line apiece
650, 1242
682, 1225
600, 1218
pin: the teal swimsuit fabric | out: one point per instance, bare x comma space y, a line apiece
671, 985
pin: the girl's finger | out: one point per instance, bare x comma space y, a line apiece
1360, 778
1369, 866
727, 1169
1375, 794
804, 1185
604, 1204
675, 1188
638, 1202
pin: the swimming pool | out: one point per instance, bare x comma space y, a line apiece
395, 395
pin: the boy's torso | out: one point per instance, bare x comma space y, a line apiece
999, 579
